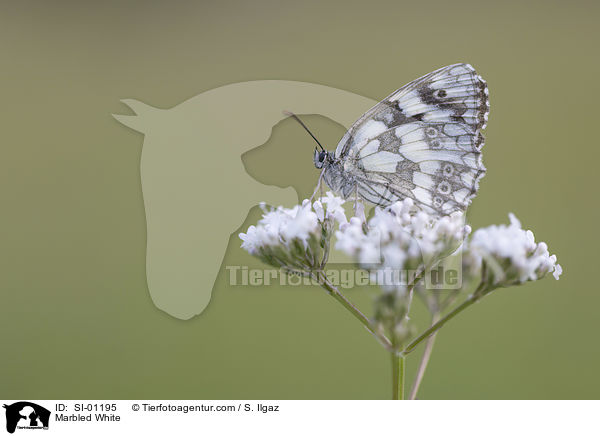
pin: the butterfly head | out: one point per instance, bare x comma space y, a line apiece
321, 157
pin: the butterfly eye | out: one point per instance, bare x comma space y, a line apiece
322, 156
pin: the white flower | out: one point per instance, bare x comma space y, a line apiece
318, 207
294, 238
279, 226
401, 238
253, 239
351, 237
335, 208
557, 269
510, 254
301, 226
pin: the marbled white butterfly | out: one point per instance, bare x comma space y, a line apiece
423, 142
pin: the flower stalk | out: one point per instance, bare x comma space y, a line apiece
424, 360
350, 307
471, 299
398, 375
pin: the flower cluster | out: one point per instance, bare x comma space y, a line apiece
398, 245
401, 243
508, 255
295, 239
400, 239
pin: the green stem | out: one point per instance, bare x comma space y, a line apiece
398, 369
435, 327
347, 304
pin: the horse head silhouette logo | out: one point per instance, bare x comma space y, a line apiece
26, 414
196, 190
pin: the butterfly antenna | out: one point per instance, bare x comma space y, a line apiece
294, 116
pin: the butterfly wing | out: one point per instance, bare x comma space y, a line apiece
423, 141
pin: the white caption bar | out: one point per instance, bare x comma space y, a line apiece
265, 417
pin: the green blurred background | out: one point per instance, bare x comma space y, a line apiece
75, 313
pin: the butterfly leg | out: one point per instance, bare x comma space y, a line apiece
319, 186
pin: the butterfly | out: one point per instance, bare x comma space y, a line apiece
423, 142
